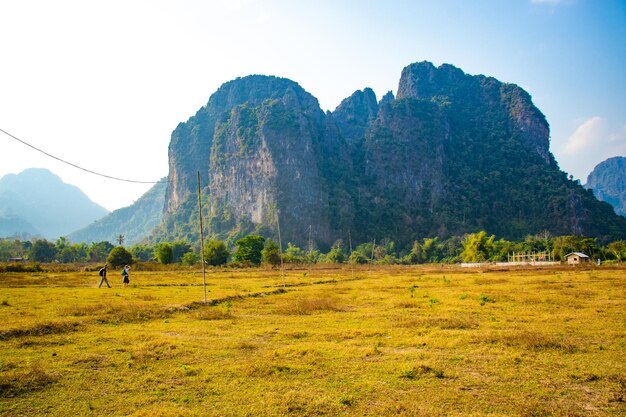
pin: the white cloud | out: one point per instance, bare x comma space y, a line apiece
594, 140
591, 133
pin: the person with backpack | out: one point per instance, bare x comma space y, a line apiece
103, 276
126, 280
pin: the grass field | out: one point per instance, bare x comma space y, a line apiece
382, 341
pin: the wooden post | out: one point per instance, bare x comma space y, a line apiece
201, 239
351, 264
280, 246
373, 247
310, 250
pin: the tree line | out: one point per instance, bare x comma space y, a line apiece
253, 250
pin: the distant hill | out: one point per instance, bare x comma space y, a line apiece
452, 153
38, 202
134, 222
608, 182
12, 225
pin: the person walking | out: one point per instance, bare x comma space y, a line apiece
103, 276
125, 274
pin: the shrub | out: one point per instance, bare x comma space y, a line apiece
43, 251
271, 253
142, 253
336, 256
164, 253
119, 256
179, 249
358, 258
294, 254
20, 267
216, 253
249, 249
190, 258
98, 251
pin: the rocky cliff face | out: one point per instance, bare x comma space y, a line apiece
475, 97
355, 114
452, 153
265, 166
261, 145
608, 183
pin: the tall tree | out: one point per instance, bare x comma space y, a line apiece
164, 253
249, 249
271, 253
98, 252
119, 256
216, 253
43, 251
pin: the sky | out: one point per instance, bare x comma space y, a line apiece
102, 84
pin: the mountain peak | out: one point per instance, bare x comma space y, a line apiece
470, 96
40, 198
253, 90
355, 112
423, 80
608, 182
31, 175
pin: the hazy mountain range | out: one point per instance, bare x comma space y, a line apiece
38, 202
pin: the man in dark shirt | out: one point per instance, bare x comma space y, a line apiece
103, 276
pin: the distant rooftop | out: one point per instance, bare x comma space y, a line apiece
580, 254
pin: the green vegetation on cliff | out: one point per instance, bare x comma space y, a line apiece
451, 154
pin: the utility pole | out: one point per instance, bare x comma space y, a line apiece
373, 247
201, 238
310, 249
280, 246
351, 264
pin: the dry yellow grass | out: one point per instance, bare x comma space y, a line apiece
388, 341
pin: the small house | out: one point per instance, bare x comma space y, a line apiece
16, 260
575, 258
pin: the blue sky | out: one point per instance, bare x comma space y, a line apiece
103, 84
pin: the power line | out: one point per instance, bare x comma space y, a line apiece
74, 165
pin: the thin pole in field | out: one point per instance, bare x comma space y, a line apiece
373, 247
351, 264
310, 250
201, 239
280, 245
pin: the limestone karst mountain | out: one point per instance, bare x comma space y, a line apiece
608, 183
451, 153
